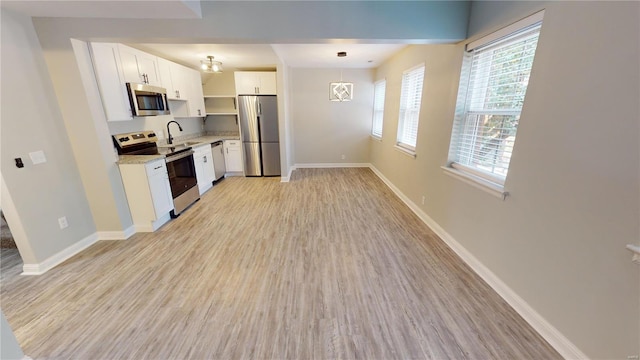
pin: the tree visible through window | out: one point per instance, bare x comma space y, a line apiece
497, 84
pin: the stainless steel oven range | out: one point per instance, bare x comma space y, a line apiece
180, 166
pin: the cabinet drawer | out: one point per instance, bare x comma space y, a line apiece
156, 167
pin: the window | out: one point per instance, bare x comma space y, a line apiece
410, 99
378, 108
491, 95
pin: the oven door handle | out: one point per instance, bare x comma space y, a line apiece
179, 156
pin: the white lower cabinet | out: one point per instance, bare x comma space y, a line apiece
148, 194
203, 160
233, 156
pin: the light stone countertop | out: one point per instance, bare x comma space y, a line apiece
138, 159
208, 139
204, 139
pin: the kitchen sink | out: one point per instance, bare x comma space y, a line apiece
186, 143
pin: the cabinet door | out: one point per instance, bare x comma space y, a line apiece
204, 169
233, 156
148, 66
246, 83
255, 82
209, 173
267, 83
164, 69
110, 79
198, 160
196, 97
179, 75
160, 188
139, 67
130, 65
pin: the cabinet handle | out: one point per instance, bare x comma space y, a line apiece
178, 94
157, 167
204, 159
199, 112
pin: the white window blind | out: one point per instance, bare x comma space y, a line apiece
410, 98
378, 108
498, 75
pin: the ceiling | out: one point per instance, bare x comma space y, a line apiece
111, 9
232, 56
264, 56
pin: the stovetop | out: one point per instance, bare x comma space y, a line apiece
144, 143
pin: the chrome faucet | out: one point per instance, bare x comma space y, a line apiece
169, 137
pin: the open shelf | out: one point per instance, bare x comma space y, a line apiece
220, 105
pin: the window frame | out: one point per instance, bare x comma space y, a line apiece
489, 180
401, 143
378, 109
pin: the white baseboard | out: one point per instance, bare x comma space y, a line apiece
52, 261
288, 177
117, 235
554, 337
330, 165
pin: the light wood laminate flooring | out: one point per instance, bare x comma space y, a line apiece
330, 265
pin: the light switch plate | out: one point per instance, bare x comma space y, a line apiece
37, 157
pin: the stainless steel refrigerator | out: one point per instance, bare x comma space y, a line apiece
259, 131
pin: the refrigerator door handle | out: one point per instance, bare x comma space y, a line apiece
259, 108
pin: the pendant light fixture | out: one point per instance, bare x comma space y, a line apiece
341, 91
210, 65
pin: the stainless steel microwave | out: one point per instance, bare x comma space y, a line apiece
147, 100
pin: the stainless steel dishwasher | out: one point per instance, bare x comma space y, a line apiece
219, 166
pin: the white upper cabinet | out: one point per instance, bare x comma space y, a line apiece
174, 78
138, 66
164, 69
196, 97
110, 79
116, 64
255, 82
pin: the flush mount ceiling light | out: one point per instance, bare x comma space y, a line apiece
341, 91
210, 65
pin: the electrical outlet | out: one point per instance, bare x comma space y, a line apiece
63, 222
343, 156
423, 198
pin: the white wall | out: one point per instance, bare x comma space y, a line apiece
559, 239
31, 121
325, 130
